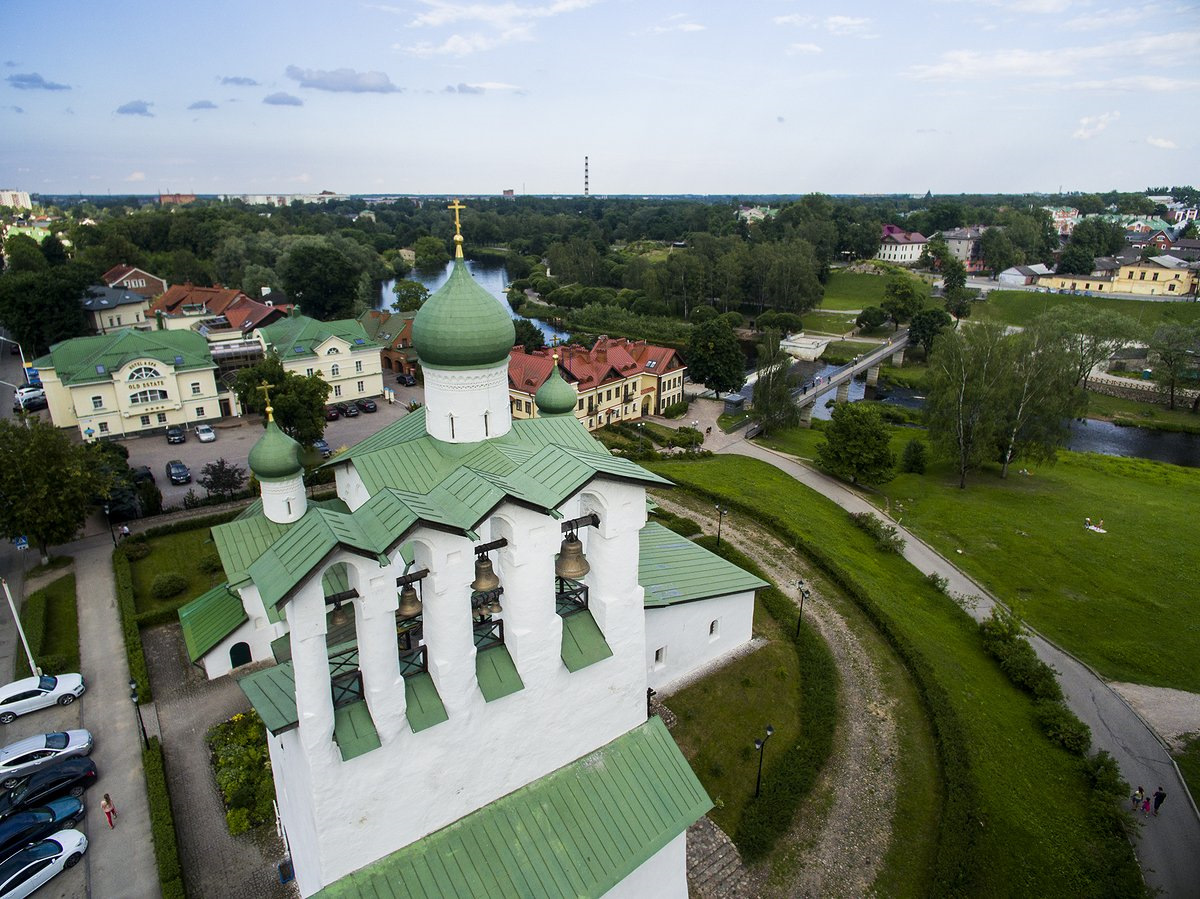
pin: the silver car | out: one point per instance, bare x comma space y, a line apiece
32, 753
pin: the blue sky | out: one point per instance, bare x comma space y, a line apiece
440, 96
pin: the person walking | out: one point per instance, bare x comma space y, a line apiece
1138, 795
1146, 806
110, 810
124, 531
1159, 795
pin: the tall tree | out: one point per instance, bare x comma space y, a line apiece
857, 445
22, 254
222, 478
529, 335
903, 297
926, 325
298, 401
320, 279
954, 275
714, 357
1040, 398
967, 372
42, 308
48, 484
774, 405
430, 253
409, 295
1175, 352
998, 250
1089, 335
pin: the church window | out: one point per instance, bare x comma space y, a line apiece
714, 629
148, 396
485, 424
660, 657
451, 427
144, 373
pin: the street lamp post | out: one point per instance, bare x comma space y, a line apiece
108, 518
760, 745
34, 669
804, 594
721, 513
133, 695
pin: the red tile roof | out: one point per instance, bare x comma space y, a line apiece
607, 361
215, 299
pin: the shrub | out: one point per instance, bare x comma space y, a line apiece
939, 582
914, 456
887, 538
1063, 726
135, 552
1001, 633
210, 563
162, 823
242, 767
677, 523
676, 410
168, 584
129, 627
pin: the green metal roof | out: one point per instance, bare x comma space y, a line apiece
275, 455
583, 642
496, 673
422, 705
578, 831
354, 731
462, 325
672, 569
210, 618
298, 336
556, 396
81, 360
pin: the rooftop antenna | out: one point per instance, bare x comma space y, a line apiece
585, 176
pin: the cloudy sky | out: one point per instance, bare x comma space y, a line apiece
725, 96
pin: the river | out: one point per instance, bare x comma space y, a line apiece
492, 278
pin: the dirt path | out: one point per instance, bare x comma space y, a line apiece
840, 836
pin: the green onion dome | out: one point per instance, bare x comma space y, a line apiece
276, 455
556, 396
462, 325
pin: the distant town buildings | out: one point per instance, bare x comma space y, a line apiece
899, 246
964, 246
128, 277
325, 196
176, 199
17, 199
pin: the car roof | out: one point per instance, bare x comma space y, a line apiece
18, 686
37, 741
44, 849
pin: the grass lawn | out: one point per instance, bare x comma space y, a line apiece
853, 290
994, 838
1142, 415
54, 639
55, 563
1021, 307
910, 374
1123, 601
1188, 760
180, 553
828, 322
803, 442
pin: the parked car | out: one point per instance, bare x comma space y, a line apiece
143, 473
32, 693
205, 433
347, 410
322, 447
25, 391
406, 380
70, 777
28, 755
36, 824
30, 404
34, 866
332, 414
178, 473
176, 434
366, 405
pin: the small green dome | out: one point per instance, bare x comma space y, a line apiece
462, 325
275, 456
556, 396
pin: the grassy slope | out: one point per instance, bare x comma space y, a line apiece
853, 290
1143, 415
1020, 307
1017, 851
178, 553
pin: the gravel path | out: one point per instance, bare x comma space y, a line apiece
840, 836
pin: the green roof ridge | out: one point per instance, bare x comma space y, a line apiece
463, 326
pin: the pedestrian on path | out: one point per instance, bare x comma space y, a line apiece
1146, 806
124, 531
1159, 795
110, 810
1138, 795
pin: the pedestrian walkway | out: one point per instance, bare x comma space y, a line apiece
1169, 855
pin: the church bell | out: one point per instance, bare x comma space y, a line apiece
410, 604
571, 564
485, 578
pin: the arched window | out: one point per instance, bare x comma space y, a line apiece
148, 396
334, 369
332, 351
144, 373
239, 654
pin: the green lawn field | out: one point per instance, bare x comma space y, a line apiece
1021, 307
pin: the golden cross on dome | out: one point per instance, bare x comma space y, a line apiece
263, 389
458, 238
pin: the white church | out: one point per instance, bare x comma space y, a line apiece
454, 654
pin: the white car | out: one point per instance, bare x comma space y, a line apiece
205, 433
36, 865
33, 693
33, 753
26, 391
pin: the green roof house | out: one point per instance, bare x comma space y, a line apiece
340, 351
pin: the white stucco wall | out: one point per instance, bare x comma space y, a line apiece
485, 750
682, 632
662, 876
467, 406
257, 631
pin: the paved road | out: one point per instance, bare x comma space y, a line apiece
1169, 848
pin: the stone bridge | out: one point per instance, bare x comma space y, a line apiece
870, 362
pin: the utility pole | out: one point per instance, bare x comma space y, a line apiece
20, 630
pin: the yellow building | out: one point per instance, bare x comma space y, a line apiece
339, 351
1157, 276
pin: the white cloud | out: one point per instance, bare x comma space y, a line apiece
1090, 126
135, 107
481, 87
1162, 143
203, 104
843, 25
343, 80
795, 18
136, 176
1138, 84
682, 26
280, 98
795, 49
463, 45
1111, 18
509, 22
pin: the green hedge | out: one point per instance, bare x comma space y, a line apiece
791, 775
954, 871
129, 625
51, 626
162, 823
190, 524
